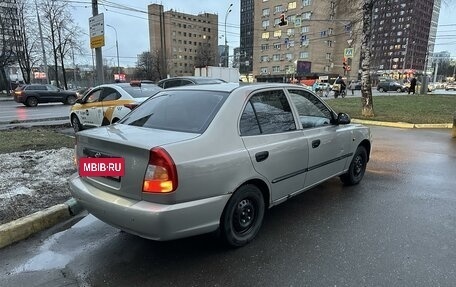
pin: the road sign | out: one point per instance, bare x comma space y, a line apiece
96, 27
348, 52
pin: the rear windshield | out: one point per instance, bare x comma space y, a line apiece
146, 90
186, 111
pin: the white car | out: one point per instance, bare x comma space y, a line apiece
106, 104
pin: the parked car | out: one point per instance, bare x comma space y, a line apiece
202, 158
183, 81
322, 86
34, 94
450, 86
387, 86
106, 104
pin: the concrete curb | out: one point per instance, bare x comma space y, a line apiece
403, 125
22, 228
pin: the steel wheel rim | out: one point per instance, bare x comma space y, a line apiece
245, 216
75, 124
358, 165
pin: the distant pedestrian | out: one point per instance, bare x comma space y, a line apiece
351, 87
412, 85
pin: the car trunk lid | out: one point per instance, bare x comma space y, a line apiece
128, 142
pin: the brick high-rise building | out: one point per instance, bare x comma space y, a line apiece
312, 43
181, 40
404, 35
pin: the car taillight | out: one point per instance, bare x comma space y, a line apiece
161, 173
18, 92
131, 106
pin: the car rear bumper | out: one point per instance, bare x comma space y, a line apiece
147, 219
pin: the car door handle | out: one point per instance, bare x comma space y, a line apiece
315, 143
262, 155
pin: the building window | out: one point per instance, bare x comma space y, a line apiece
323, 33
278, 33
306, 15
306, 2
263, 70
265, 35
305, 29
289, 56
276, 69
264, 47
290, 31
264, 59
328, 56
265, 24
277, 45
303, 55
278, 9
266, 12
291, 5
329, 43
276, 57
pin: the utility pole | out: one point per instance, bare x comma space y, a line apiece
98, 53
42, 44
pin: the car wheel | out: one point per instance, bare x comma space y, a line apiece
31, 102
381, 90
243, 215
399, 90
70, 100
76, 123
357, 167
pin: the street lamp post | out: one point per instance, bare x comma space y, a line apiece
226, 41
117, 49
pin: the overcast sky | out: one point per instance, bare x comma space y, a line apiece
132, 26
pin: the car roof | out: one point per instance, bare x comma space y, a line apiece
191, 78
229, 87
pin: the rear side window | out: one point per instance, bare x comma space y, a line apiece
267, 113
35, 88
186, 111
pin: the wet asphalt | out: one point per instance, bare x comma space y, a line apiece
396, 228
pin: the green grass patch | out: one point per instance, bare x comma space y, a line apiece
414, 109
39, 138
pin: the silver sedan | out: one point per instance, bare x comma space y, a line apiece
215, 157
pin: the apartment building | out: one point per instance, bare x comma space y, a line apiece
182, 40
247, 30
404, 35
316, 41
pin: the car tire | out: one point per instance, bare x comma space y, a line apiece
243, 215
381, 90
399, 90
76, 123
70, 100
31, 102
357, 167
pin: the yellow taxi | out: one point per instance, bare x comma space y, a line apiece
108, 103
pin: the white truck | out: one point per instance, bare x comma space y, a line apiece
228, 74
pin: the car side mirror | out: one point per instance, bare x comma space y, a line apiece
343, 119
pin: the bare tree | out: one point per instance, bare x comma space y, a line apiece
205, 56
150, 67
62, 33
25, 38
359, 12
6, 53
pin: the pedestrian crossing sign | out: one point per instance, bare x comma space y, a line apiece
348, 52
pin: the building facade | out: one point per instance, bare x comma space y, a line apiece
247, 36
404, 35
182, 41
317, 40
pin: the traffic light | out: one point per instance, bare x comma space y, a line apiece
282, 21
